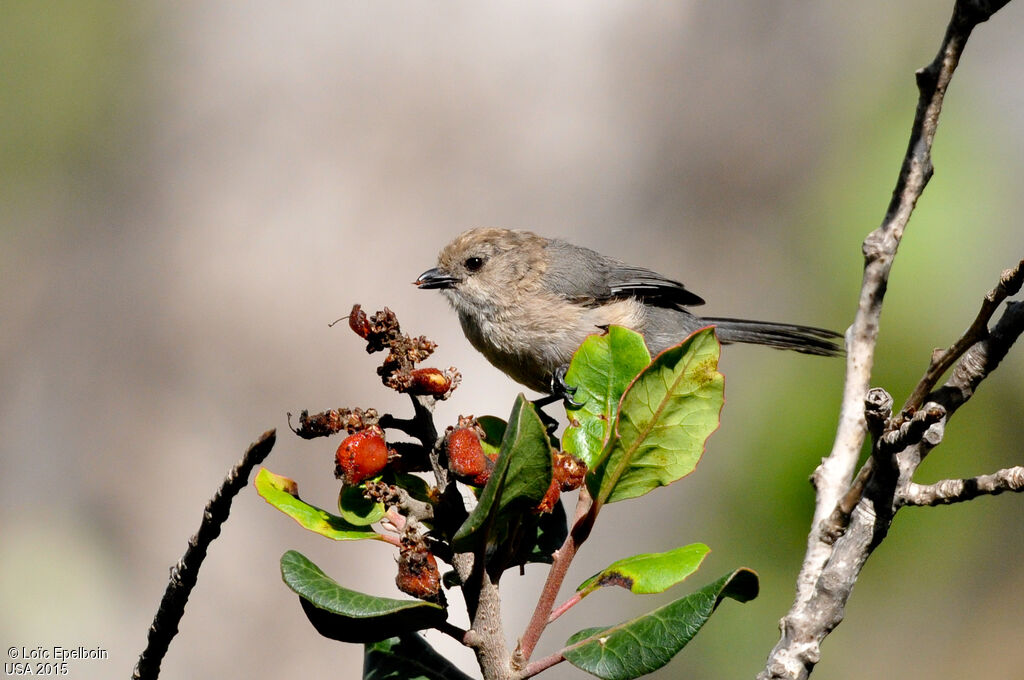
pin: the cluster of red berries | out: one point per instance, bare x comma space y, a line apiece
471, 465
364, 454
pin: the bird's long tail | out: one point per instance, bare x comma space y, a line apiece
803, 339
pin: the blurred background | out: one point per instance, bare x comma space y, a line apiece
192, 191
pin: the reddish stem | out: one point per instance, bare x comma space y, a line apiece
562, 558
565, 606
541, 665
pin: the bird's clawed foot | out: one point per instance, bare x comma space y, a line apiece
559, 390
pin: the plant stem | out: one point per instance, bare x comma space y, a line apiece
562, 558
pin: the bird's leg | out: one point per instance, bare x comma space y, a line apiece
559, 392
550, 424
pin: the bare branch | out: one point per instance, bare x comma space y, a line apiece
807, 625
486, 635
185, 573
959, 490
981, 359
1008, 286
833, 475
909, 432
820, 591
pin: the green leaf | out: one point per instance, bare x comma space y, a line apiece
529, 537
417, 487
521, 477
525, 537
601, 370
283, 494
648, 642
408, 657
355, 508
494, 432
342, 614
548, 533
650, 572
665, 418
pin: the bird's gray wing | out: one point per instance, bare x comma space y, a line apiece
651, 287
588, 276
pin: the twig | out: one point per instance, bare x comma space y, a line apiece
910, 432
1008, 286
483, 601
540, 665
421, 425
453, 631
564, 607
833, 475
833, 527
806, 624
981, 359
186, 571
976, 364
885, 445
959, 490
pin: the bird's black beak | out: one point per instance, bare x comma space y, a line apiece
435, 278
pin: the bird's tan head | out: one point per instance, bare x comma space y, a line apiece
484, 269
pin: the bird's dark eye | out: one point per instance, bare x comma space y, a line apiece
473, 264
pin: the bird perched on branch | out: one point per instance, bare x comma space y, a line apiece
527, 303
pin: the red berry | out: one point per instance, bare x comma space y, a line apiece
429, 381
362, 455
418, 575
466, 457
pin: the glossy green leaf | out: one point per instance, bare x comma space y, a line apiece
601, 370
355, 508
408, 657
342, 614
521, 477
650, 572
283, 494
648, 642
665, 418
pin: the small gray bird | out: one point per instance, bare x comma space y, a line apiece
527, 303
